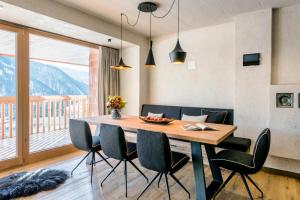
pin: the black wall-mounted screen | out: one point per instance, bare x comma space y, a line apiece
251, 59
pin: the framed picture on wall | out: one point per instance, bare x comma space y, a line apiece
284, 100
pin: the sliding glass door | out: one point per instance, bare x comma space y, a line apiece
59, 90
45, 80
10, 137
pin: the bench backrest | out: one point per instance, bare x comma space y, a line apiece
176, 112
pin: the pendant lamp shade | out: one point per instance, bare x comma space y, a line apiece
150, 62
177, 56
121, 64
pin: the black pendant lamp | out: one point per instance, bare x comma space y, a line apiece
121, 64
150, 62
177, 56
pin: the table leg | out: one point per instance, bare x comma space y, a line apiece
203, 193
198, 171
215, 170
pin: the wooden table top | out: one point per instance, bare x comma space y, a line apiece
173, 130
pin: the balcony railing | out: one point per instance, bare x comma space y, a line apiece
46, 113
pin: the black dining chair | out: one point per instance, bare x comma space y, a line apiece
154, 153
82, 139
244, 163
114, 145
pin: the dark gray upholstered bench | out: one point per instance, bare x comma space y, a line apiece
175, 112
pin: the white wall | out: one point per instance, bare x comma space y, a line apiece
254, 99
129, 83
211, 84
286, 45
285, 124
253, 34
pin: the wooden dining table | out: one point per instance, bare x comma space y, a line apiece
207, 138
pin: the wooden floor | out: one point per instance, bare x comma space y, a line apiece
79, 187
38, 142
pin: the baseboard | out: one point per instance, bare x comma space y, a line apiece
281, 172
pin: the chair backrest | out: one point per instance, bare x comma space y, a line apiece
261, 149
97, 131
153, 150
112, 140
80, 133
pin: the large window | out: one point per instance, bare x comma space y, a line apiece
8, 142
59, 89
45, 80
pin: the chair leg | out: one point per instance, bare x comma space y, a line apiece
125, 173
104, 159
223, 185
138, 170
159, 179
149, 184
251, 180
110, 172
92, 165
180, 184
168, 189
80, 162
246, 185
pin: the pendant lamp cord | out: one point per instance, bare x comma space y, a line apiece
150, 26
167, 13
138, 17
178, 21
151, 14
136, 21
121, 33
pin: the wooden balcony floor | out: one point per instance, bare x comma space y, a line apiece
38, 142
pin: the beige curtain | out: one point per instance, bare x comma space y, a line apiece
108, 79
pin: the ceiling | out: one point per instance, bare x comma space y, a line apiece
193, 13
56, 51
25, 17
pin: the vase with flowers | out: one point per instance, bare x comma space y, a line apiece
115, 104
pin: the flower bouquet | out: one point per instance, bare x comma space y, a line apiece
115, 104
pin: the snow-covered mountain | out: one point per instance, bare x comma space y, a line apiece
44, 80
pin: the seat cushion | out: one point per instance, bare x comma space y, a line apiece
194, 111
217, 117
96, 143
198, 118
235, 161
236, 143
131, 151
178, 161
